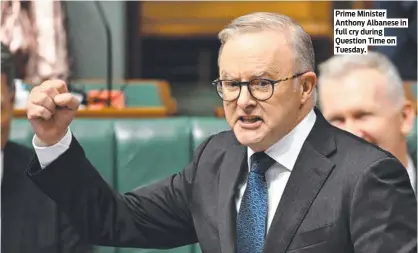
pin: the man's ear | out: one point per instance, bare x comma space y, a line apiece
408, 118
308, 85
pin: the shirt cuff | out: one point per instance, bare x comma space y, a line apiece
46, 155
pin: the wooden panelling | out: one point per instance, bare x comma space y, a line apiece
183, 30
208, 18
363, 5
221, 10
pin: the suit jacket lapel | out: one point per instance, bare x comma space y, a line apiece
309, 174
234, 163
305, 181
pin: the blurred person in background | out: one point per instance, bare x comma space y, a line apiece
30, 221
364, 95
35, 33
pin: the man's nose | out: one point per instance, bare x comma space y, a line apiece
245, 99
352, 127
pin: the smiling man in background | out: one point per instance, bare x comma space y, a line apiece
364, 95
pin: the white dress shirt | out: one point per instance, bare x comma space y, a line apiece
46, 155
284, 152
412, 173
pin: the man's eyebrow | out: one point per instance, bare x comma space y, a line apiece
261, 74
270, 73
266, 73
225, 75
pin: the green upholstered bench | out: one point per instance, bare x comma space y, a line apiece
148, 150
98, 140
21, 132
203, 127
152, 149
95, 135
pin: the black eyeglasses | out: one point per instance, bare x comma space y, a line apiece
259, 88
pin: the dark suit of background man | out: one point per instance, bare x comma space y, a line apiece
30, 221
284, 180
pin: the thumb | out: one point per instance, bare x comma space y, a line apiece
67, 100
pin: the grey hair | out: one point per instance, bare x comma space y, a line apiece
300, 41
340, 65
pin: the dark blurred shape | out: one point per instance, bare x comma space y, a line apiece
404, 54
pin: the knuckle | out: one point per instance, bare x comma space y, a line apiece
59, 84
39, 98
51, 85
33, 114
30, 113
44, 112
46, 88
39, 110
34, 91
52, 92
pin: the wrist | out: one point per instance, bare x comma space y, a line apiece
47, 143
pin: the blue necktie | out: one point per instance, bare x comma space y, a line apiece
252, 216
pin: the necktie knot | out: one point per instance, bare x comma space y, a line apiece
260, 162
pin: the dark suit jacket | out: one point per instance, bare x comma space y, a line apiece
343, 195
31, 222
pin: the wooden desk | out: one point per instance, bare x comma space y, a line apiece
145, 112
164, 88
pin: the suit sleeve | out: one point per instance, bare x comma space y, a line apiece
70, 240
384, 210
154, 216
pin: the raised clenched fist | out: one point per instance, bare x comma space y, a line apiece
50, 110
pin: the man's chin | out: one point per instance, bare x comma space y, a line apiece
249, 138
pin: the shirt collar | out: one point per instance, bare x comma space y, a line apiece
411, 172
287, 149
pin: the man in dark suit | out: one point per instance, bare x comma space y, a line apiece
30, 221
284, 180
